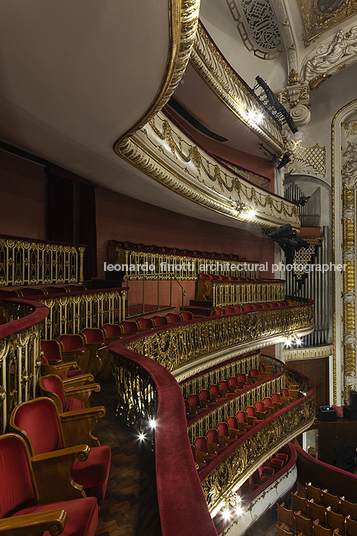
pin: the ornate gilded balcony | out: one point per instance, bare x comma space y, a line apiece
162, 151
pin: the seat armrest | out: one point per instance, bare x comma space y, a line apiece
73, 391
34, 524
211, 448
78, 426
53, 474
79, 381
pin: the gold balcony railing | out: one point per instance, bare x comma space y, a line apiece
35, 262
138, 262
224, 293
19, 355
237, 403
175, 347
233, 368
71, 312
231, 468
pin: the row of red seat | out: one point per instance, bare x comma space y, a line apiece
233, 309
37, 291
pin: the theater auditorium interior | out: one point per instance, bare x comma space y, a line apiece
177, 268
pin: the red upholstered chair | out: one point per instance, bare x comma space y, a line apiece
216, 392
55, 290
286, 397
173, 318
265, 473
159, 321
242, 378
186, 316
236, 428
262, 412
190, 411
203, 446
29, 291
67, 399
265, 370
197, 404
255, 374
215, 439
128, 327
144, 324
38, 422
52, 350
94, 340
225, 388
278, 401
62, 370
79, 287
235, 384
269, 404
34, 514
252, 413
229, 310
230, 435
199, 458
112, 332
205, 395
282, 456
73, 349
242, 417
276, 463
218, 311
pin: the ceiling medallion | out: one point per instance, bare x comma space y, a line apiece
257, 27
318, 16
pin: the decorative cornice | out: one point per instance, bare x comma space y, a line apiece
183, 20
287, 35
306, 160
308, 353
167, 155
232, 91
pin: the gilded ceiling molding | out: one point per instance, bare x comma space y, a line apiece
225, 83
344, 184
306, 160
183, 21
167, 155
330, 57
257, 27
298, 354
287, 36
315, 21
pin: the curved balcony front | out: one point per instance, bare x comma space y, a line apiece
149, 393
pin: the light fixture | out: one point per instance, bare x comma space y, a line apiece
238, 510
251, 114
259, 117
141, 436
226, 514
250, 214
285, 160
152, 423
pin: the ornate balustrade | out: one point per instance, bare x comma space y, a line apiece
24, 261
19, 355
161, 396
71, 312
178, 346
162, 263
224, 293
222, 372
220, 413
224, 475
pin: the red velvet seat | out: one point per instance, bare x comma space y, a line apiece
269, 404
262, 412
282, 456
93, 336
252, 412
19, 487
29, 291
215, 439
235, 426
73, 349
205, 396
218, 311
209, 451
242, 378
276, 463
216, 392
286, 396
112, 332
144, 323
68, 372
242, 417
228, 433
37, 421
278, 401
254, 373
186, 316
224, 386
199, 458
52, 350
128, 327
235, 383
159, 321
173, 318
196, 403
229, 310
52, 387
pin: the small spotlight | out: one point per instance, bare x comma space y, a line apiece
152, 423
141, 437
226, 514
259, 117
250, 214
298, 342
251, 114
238, 511
288, 344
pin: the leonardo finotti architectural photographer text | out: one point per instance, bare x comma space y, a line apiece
224, 267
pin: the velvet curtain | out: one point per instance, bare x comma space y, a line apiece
71, 215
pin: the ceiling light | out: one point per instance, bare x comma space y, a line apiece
141, 437
152, 423
259, 117
238, 511
226, 514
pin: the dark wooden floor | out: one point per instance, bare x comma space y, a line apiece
130, 506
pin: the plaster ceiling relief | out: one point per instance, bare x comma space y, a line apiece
318, 16
257, 27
